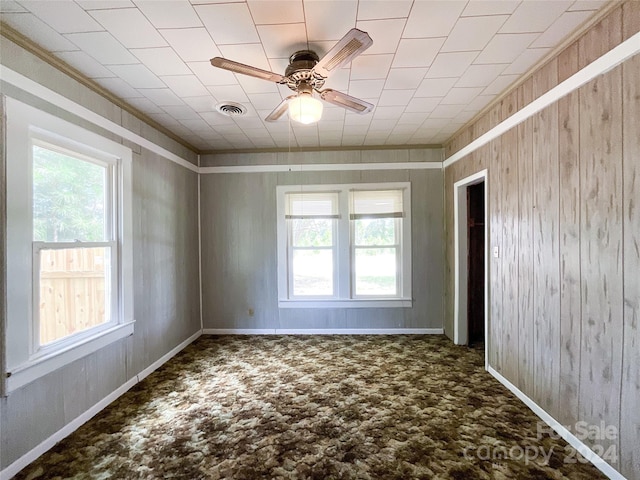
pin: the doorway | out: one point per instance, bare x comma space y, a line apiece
475, 265
471, 319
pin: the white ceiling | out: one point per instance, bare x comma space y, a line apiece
432, 66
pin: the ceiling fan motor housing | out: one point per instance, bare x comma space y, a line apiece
300, 69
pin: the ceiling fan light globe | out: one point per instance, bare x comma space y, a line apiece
305, 109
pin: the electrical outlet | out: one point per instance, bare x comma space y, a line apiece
251, 312
496, 252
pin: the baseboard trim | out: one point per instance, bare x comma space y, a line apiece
571, 439
83, 418
323, 331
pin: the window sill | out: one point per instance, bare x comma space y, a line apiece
36, 368
351, 303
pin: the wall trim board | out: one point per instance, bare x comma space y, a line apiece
322, 167
83, 418
323, 331
606, 62
561, 430
34, 88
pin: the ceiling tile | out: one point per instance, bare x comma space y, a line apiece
329, 20
216, 119
376, 9
64, 17
162, 96
562, 27
417, 52
276, 11
351, 118
282, 40
104, 4
191, 44
130, 27
404, 78
7, 6
161, 61
451, 64
228, 23
209, 75
339, 80
423, 104
461, 96
479, 103
103, 47
333, 113
204, 103
395, 97
185, 85
435, 87
169, 13
384, 33
473, 33
265, 100
257, 85
588, 5
500, 84
412, 118
534, 16
370, 67
233, 93
138, 76
387, 113
480, 75
505, 48
477, 8
526, 60
38, 31
249, 54
165, 119
118, 87
366, 88
182, 112
433, 18
446, 111
85, 64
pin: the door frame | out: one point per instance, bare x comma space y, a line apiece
461, 267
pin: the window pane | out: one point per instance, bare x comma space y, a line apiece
312, 272
374, 232
376, 271
68, 198
312, 232
74, 291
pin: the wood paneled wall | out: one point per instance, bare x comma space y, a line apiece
564, 210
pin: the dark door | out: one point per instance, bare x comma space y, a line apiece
475, 261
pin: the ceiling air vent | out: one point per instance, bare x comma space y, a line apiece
231, 109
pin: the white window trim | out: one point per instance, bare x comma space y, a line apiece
24, 124
344, 251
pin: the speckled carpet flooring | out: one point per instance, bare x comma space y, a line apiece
320, 407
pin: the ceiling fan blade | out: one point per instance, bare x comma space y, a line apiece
352, 44
279, 110
346, 101
246, 69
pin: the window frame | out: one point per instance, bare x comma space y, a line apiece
344, 287
27, 127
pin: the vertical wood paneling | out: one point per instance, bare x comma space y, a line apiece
630, 19
601, 38
546, 306
601, 252
496, 315
509, 214
630, 395
527, 362
3, 256
570, 294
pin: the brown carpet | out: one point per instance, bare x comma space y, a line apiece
325, 407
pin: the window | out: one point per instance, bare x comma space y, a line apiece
68, 243
344, 245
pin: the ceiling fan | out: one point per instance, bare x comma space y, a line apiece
307, 72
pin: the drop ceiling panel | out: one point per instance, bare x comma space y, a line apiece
169, 13
130, 27
191, 44
64, 17
432, 66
